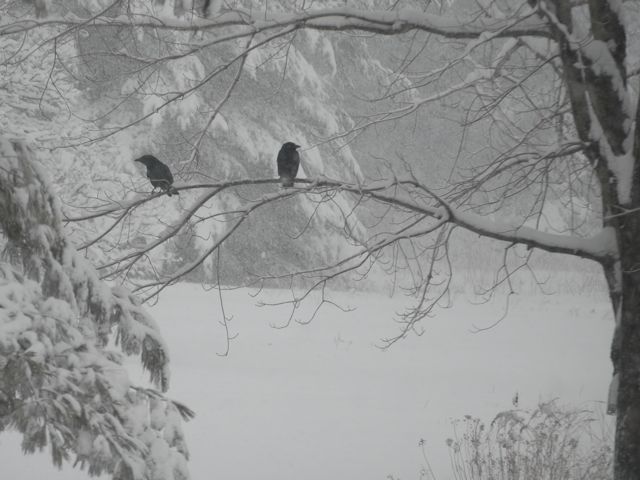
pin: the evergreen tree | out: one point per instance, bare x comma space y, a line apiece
62, 384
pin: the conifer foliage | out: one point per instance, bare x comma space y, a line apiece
64, 334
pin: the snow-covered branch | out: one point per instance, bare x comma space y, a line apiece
399, 194
601, 247
337, 19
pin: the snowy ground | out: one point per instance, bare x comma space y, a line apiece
321, 402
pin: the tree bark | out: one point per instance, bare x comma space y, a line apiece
626, 347
594, 91
627, 356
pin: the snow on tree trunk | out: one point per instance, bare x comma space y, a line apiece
595, 77
61, 386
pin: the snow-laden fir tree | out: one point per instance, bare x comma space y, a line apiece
63, 337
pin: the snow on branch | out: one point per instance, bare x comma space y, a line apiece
601, 247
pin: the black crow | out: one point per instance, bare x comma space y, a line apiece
158, 173
288, 163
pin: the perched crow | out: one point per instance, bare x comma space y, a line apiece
158, 173
288, 163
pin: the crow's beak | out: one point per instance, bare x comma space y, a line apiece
297, 146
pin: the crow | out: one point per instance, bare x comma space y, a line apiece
158, 173
288, 163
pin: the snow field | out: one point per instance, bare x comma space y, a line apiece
322, 401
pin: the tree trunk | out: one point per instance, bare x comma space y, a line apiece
595, 96
626, 346
627, 455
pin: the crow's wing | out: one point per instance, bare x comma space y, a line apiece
282, 163
295, 163
160, 173
165, 172
288, 163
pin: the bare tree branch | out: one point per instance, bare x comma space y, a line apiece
339, 19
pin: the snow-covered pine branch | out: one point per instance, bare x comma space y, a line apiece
61, 383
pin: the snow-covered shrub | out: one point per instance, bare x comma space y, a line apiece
547, 443
63, 337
